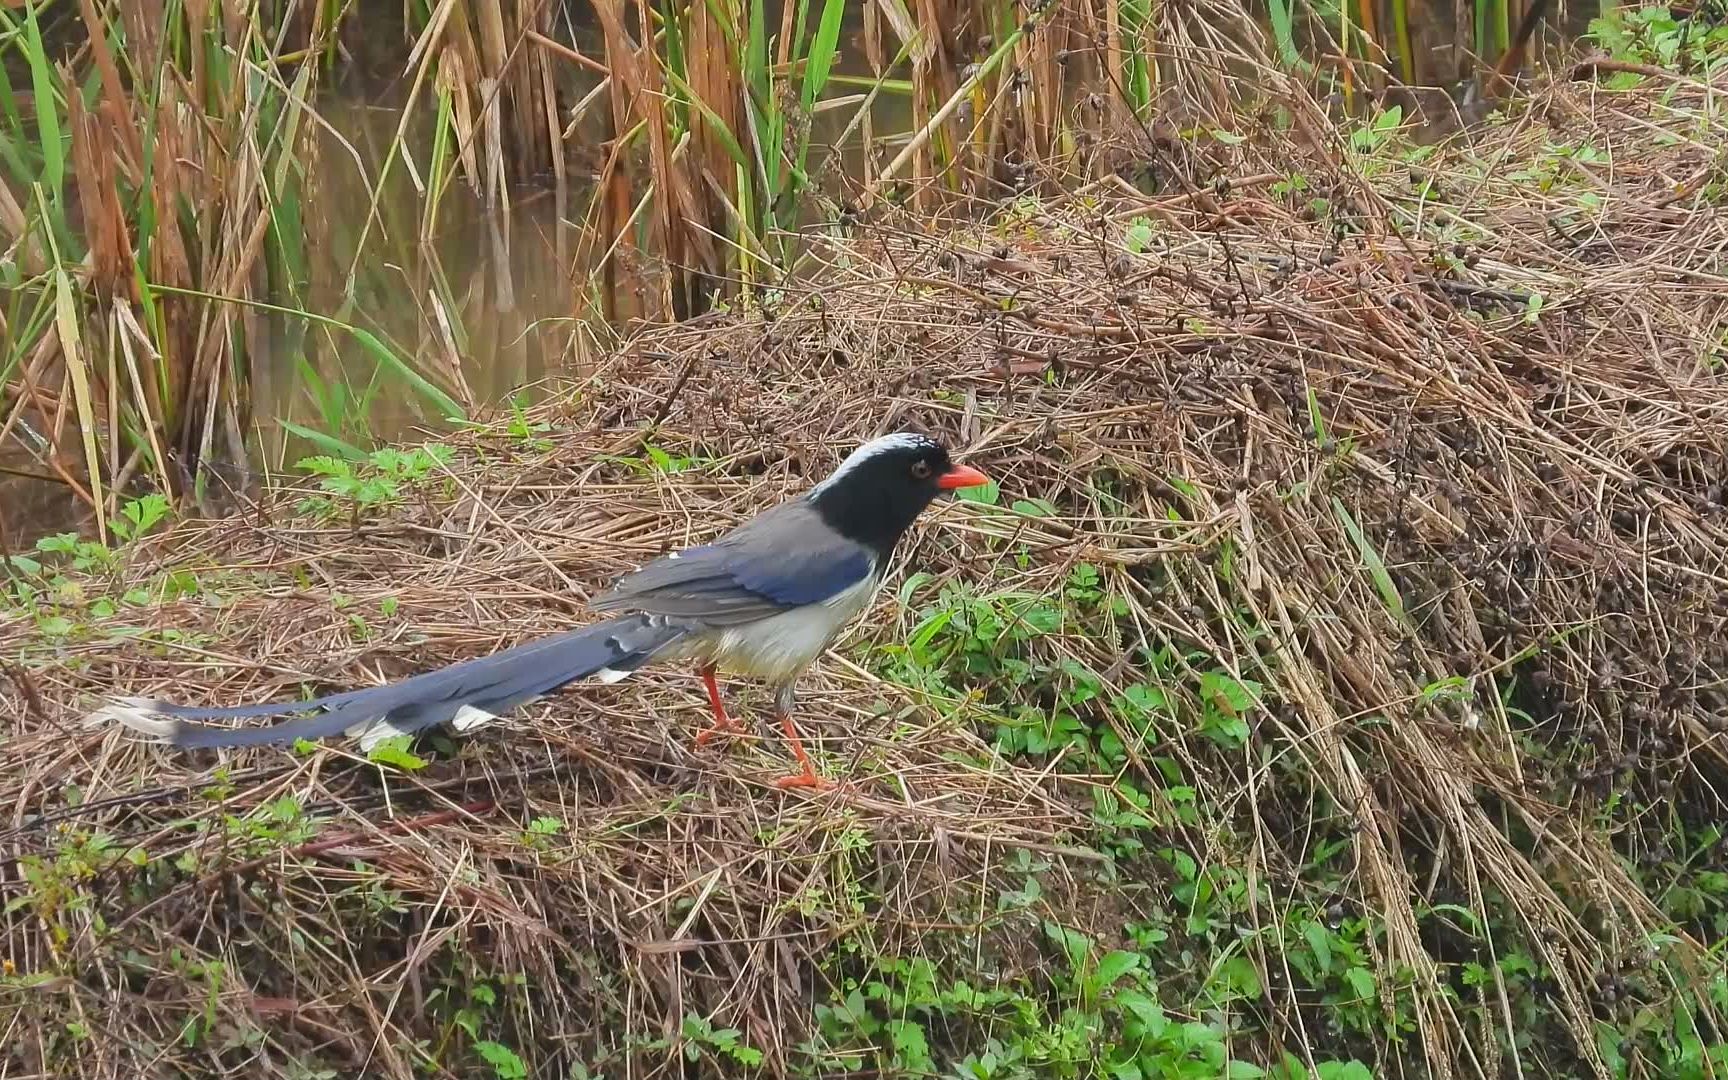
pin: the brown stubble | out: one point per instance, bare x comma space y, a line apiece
715, 78
933, 83
611, 241
671, 195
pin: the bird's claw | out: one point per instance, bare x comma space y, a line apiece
707, 735
806, 779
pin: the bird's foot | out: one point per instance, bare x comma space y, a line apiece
809, 778
724, 726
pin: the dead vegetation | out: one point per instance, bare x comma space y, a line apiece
1456, 506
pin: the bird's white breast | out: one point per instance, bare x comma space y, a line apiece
777, 648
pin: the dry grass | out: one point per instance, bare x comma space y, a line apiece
1541, 480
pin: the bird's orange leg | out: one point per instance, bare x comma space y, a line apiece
723, 724
808, 778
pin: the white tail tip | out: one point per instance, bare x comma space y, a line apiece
143, 715
369, 733
468, 718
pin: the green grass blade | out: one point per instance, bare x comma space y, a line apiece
884, 85
1316, 420
66, 320
47, 107
675, 57
330, 444
1284, 31
762, 105
1401, 28
822, 51
387, 358
12, 135
1376, 567
380, 352
715, 124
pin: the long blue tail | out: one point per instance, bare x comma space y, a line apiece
464, 695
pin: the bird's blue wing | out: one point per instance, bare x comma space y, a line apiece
799, 578
787, 558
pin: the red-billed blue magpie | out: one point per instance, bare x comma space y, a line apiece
763, 600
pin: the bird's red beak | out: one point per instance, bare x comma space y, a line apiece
960, 476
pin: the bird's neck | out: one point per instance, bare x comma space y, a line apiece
877, 523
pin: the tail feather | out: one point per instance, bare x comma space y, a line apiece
464, 695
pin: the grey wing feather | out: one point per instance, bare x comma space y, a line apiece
786, 558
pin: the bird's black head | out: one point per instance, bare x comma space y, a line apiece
879, 490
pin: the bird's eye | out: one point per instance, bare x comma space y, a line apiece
920, 470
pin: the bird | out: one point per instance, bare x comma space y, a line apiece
762, 600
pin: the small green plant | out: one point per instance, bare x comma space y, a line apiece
1655, 35
657, 459
68, 580
394, 752
379, 480
506, 1063
58, 889
541, 831
139, 516
82, 555
1377, 132
278, 824
702, 1038
1138, 236
531, 435
1101, 1017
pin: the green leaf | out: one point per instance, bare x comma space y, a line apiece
503, 1060
987, 493
394, 751
1315, 419
1361, 981
1143, 1008
822, 49
1115, 964
1037, 508
142, 514
1376, 568
1221, 686
387, 358
1142, 700
1280, 14
1239, 977
1319, 942
285, 809
47, 106
911, 1048
330, 444
1075, 945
